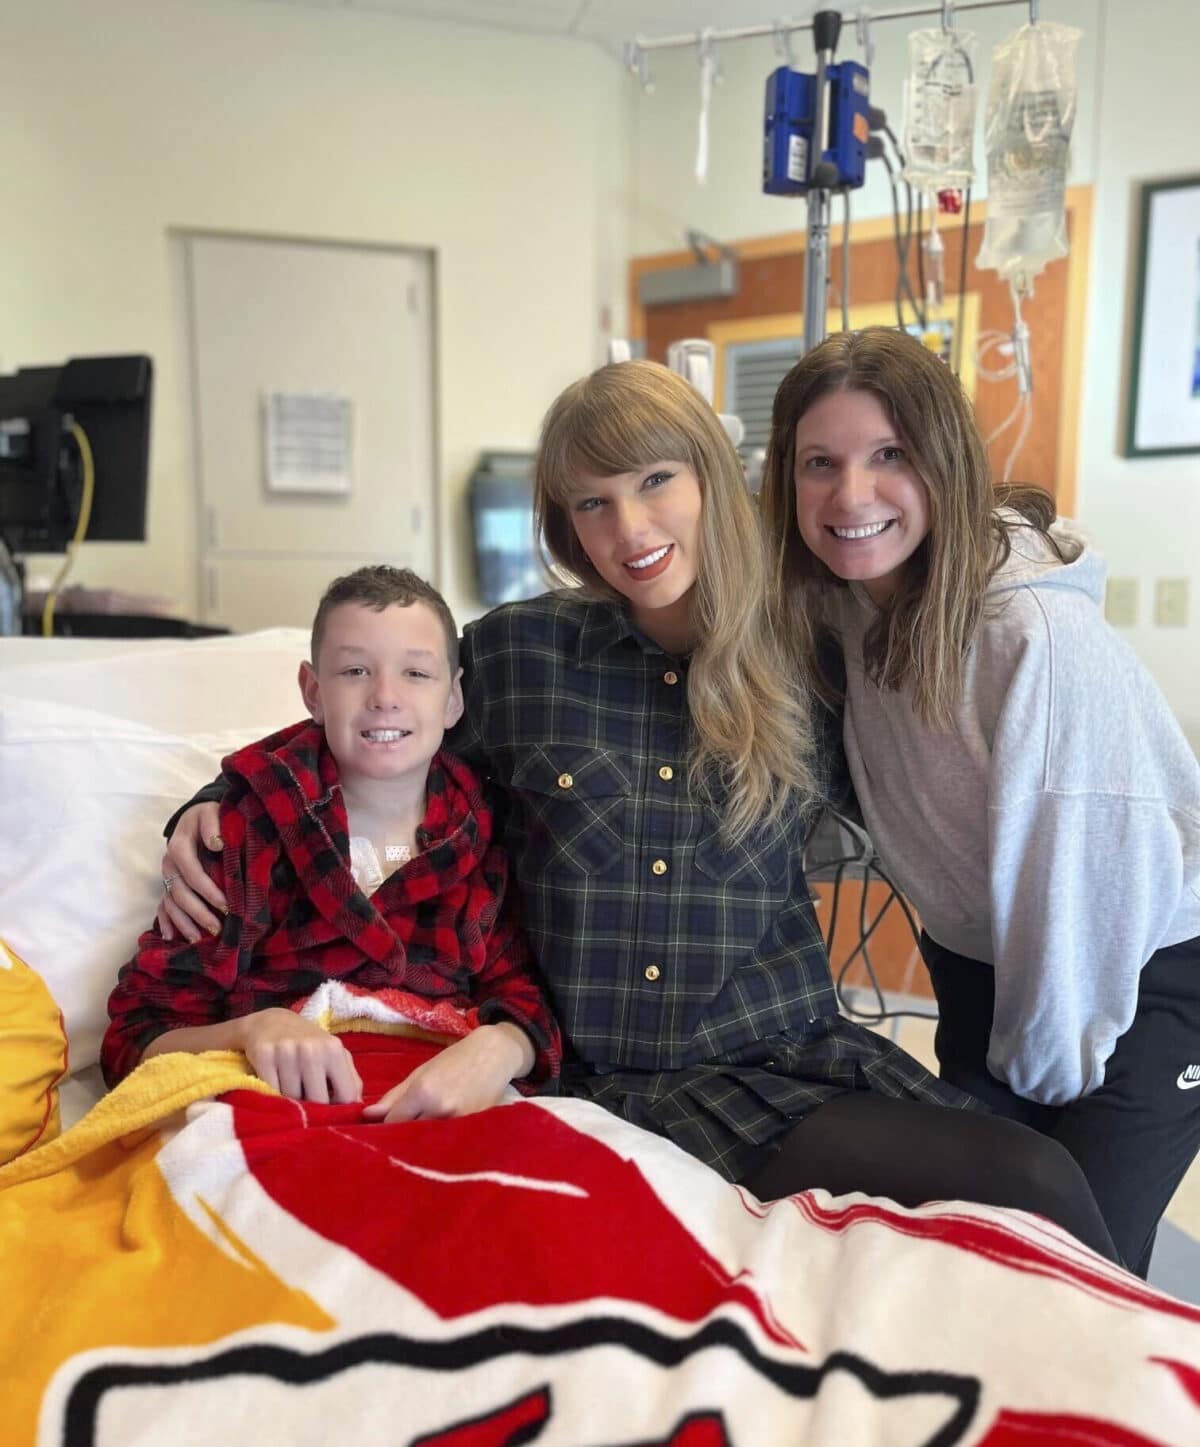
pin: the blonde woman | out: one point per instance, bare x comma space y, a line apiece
1018, 771
661, 778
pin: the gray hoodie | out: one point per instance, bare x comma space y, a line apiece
1054, 832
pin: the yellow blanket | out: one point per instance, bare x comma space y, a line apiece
96, 1249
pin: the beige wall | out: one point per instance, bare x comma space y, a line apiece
1144, 511
534, 167
123, 119
1136, 120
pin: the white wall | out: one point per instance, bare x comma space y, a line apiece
1136, 120
122, 119
1144, 511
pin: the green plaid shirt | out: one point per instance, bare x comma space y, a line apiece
661, 947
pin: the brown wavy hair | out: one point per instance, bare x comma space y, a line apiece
380, 586
921, 637
752, 740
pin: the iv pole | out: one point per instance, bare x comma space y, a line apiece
827, 26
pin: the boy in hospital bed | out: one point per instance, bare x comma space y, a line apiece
354, 850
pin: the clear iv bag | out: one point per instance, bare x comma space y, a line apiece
1030, 115
939, 110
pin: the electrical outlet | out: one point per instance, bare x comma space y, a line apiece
1171, 602
1121, 602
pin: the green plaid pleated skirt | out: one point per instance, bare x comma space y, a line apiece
729, 1113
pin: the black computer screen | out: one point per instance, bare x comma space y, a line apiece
40, 478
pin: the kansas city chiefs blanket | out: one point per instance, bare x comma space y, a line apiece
187, 1270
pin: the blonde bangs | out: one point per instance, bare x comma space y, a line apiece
608, 426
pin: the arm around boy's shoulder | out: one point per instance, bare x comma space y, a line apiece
168, 985
173, 984
212, 793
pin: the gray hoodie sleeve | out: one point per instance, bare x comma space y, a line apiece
1094, 840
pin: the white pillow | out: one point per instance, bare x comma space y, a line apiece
95, 753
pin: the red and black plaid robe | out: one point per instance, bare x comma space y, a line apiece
439, 926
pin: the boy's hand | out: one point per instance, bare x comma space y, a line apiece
182, 908
470, 1075
298, 1058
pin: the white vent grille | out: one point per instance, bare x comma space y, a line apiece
753, 372
309, 442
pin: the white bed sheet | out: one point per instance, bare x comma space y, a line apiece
100, 740
78, 1093
241, 682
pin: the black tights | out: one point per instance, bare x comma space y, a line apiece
912, 1152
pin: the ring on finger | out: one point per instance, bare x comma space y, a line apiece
168, 881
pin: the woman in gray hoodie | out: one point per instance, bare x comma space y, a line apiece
1018, 771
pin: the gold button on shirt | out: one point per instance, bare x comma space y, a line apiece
666, 773
652, 973
659, 866
565, 781
670, 676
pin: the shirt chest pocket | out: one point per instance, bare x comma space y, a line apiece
575, 801
759, 863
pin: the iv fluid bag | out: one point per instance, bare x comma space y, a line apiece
939, 110
1030, 114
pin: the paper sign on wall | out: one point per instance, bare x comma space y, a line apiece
308, 442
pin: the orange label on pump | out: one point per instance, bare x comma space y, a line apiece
860, 128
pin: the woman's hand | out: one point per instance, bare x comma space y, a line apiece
470, 1075
183, 909
298, 1058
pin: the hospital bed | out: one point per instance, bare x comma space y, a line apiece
193, 1259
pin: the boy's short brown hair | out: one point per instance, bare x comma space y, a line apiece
380, 586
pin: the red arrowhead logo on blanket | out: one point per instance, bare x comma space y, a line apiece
386, 1192
522, 1420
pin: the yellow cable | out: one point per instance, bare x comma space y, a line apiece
81, 527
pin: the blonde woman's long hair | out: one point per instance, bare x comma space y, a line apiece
752, 740
921, 638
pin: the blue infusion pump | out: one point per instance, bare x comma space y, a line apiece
789, 120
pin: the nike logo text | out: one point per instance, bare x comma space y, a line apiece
1189, 1078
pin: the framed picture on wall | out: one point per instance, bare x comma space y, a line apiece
1164, 384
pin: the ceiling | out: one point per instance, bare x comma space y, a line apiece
609, 23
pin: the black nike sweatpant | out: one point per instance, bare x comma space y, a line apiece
1135, 1136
